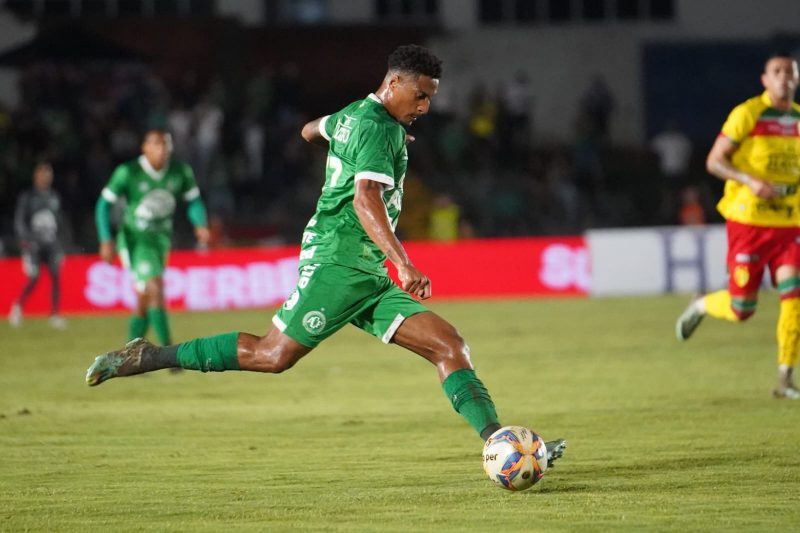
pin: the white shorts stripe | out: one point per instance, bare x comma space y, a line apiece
280, 324
393, 327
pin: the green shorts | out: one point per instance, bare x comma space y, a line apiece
330, 296
143, 254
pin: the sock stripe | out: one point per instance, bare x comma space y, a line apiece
740, 304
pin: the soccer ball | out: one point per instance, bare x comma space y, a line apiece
515, 457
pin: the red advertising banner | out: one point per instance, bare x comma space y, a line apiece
264, 277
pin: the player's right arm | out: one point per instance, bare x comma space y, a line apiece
110, 194
720, 164
371, 211
314, 132
21, 220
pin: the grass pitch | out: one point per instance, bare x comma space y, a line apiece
359, 436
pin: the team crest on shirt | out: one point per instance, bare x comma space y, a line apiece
314, 322
741, 275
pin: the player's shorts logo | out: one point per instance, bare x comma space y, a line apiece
741, 275
314, 322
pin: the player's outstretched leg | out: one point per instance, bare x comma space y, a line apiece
555, 450
689, 320
136, 357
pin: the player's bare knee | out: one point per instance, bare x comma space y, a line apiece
454, 350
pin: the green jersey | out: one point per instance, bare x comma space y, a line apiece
365, 142
151, 194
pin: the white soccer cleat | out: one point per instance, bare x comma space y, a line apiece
688, 321
57, 322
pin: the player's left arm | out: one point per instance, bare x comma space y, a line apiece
195, 208
371, 211
314, 132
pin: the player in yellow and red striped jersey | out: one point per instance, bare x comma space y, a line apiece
757, 153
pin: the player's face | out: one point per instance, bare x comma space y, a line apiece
780, 78
157, 148
410, 97
43, 177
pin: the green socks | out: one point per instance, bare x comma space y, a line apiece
137, 327
158, 318
213, 354
471, 400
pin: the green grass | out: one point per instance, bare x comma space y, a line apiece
359, 437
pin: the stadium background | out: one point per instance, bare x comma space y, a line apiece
544, 124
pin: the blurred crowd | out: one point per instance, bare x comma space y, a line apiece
478, 168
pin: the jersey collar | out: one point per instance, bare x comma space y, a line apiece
148, 168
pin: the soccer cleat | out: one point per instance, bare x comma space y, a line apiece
688, 321
786, 387
789, 393
57, 322
555, 449
15, 316
124, 362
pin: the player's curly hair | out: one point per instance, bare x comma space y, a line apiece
415, 59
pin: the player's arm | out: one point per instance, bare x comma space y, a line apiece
195, 208
21, 220
720, 164
371, 211
314, 132
116, 187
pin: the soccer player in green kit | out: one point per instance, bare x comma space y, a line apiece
151, 185
343, 279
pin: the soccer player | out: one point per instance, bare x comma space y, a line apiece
37, 219
151, 185
343, 279
758, 155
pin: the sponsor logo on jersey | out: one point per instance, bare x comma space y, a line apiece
156, 204
343, 129
314, 321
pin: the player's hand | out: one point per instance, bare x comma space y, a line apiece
414, 282
762, 189
107, 251
203, 236
410, 139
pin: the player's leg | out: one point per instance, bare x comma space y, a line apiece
54, 258
274, 352
745, 260
298, 327
151, 261
429, 335
155, 309
31, 267
788, 330
127, 250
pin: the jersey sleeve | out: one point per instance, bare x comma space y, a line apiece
739, 124
189, 190
117, 185
375, 156
326, 126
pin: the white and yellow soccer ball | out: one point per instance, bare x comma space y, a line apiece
515, 457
